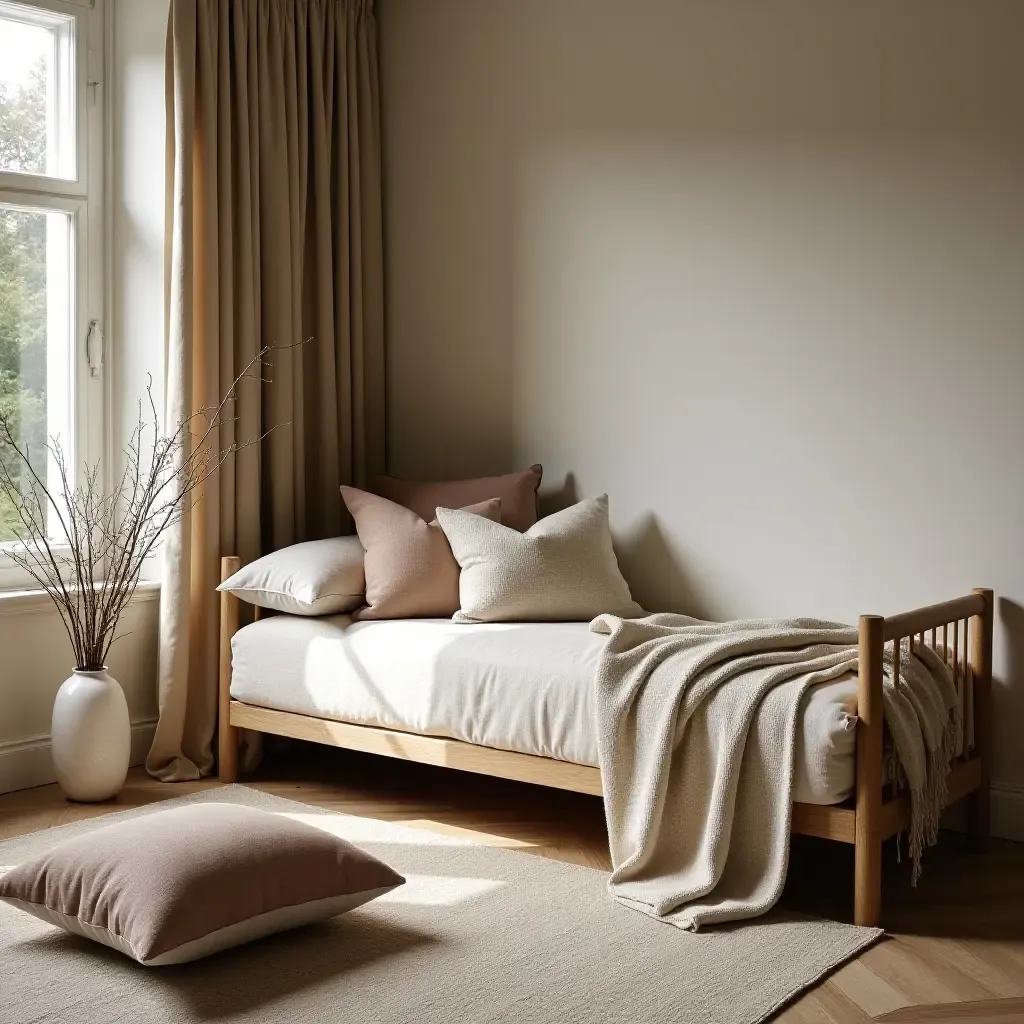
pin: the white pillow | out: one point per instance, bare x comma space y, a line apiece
318, 577
563, 569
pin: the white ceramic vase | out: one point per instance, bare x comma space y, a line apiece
91, 736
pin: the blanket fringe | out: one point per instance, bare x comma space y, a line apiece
928, 801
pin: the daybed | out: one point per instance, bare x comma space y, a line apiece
515, 700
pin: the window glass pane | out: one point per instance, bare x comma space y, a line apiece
36, 91
35, 340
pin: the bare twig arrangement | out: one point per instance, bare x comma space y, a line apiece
86, 549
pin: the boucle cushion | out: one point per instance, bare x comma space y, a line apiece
176, 885
318, 577
518, 493
411, 572
562, 569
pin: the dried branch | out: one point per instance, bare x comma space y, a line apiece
92, 568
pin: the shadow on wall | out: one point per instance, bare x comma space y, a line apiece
1011, 615
656, 577
554, 500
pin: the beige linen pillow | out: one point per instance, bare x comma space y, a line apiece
180, 884
411, 572
518, 493
317, 577
562, 569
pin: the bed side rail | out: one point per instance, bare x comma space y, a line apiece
959, 632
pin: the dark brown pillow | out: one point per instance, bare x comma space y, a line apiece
179, 884
517, 491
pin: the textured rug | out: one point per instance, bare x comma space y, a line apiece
478, 934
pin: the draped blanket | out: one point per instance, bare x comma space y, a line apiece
696, 737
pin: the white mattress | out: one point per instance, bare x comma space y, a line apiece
523, 686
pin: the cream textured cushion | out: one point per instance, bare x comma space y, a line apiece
411, 572
318, 577
180, 884
562, 569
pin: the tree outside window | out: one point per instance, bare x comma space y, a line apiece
23, 273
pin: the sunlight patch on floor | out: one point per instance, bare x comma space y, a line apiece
487, 838
439, 890
372, 830
871, 993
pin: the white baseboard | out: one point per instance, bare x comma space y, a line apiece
1008, 811
27, 763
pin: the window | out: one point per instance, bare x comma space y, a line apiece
37, 116
51, 234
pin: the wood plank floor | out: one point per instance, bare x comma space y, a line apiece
957, 938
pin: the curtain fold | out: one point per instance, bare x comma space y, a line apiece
274, 236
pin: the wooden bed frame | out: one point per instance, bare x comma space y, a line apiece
960, 630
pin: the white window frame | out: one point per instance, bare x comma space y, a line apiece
84, 198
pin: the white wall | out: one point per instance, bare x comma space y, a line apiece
756, 270
140, 29
34, 650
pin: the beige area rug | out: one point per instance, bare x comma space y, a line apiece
478, 934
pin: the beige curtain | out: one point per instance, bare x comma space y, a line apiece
274, 236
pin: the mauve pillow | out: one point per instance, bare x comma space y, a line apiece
178, 884
518, 493
410, 570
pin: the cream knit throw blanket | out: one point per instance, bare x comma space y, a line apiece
696, 734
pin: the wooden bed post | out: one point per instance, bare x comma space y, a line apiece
867, 890
981, 671
227, 734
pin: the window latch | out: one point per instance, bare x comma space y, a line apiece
94, 349
94, 76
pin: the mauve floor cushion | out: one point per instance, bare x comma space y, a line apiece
177, 885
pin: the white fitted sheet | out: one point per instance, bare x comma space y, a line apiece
520, 686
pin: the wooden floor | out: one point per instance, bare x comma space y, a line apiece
957, 938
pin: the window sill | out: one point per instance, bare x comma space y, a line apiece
23, 602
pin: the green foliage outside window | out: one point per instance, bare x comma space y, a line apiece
23, 283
